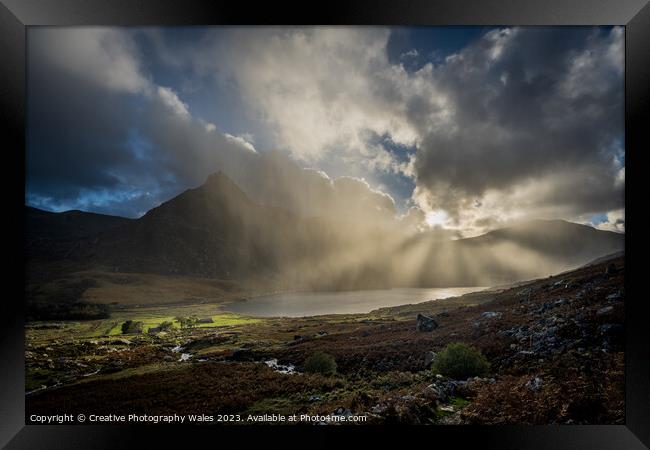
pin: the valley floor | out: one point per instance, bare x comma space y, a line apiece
555, 347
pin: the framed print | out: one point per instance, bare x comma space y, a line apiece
312, 225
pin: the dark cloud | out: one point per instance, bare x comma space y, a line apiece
526, 106
103, 144
77, 136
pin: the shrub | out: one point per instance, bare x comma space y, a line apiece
165, 326
187, 322
460, 361
131, 327
320, 362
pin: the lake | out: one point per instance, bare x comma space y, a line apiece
300, 304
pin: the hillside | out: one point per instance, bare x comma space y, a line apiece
68, 225
525, 251
213, 230
554, 345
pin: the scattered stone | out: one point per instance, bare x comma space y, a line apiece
491, 314
605, 311
314, 398
616, 296
562, 301
535, 384
437, 391
425, 323
341, 411
430, 358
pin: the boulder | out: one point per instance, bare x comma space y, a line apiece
491, 314
616, 296
562, 301
436, 391
535, 384
425, 323
605, 311
341, 411
430, 358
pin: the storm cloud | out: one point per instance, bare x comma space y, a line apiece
105, 137
533, 125
520, 123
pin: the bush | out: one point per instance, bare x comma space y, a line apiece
187, 322
460, 361
166, 326
320, 362
131, 327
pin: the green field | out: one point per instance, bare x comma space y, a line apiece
150, 316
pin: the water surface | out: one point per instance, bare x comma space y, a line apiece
300, 304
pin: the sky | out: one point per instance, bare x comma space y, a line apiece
456, 129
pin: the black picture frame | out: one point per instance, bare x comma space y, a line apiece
17, 15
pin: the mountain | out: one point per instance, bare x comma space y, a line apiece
212, 230
50, 236
216, 230
528, 250
68, 225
